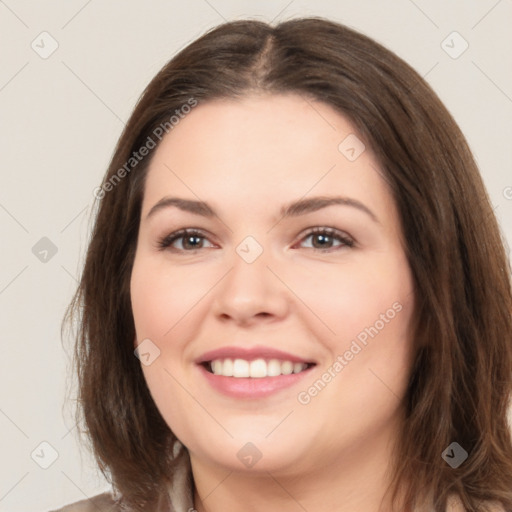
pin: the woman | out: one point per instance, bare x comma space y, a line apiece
296, 296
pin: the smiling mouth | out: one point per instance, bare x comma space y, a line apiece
256, 369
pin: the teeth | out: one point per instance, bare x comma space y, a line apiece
226, 368
240, 368
287, 367
217, 367
256, 369
274, 368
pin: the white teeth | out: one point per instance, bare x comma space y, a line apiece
287, 367
240, 368
217, 366
297, 367
226, 368
256, 369
273, 368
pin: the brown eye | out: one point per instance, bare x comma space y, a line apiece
327, 238
188, 241
191, 242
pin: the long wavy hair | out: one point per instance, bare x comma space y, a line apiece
461, 377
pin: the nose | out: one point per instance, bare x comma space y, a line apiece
251, 293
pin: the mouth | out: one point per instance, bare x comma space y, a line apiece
253, 379
255, 369
255, 372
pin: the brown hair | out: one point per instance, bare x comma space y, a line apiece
461, 379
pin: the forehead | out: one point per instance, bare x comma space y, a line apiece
261, 149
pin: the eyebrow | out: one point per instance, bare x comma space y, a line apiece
294, 209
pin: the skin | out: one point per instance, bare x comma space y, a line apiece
246, 159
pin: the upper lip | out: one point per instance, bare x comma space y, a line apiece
249, 354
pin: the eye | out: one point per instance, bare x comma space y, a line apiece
322, 239
190, 240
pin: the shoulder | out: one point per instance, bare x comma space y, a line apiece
493, 506
104, 502
455, 505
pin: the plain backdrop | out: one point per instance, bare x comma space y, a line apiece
71, 72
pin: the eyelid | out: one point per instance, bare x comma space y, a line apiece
346, 240
165, 242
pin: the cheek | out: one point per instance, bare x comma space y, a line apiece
368, 372
376, 345
346, 299
162, 296
160, 302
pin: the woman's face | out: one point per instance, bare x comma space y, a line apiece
253, 294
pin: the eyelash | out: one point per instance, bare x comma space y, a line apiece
167, 241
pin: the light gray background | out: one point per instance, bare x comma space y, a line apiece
61, 117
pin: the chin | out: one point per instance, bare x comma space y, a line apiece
251, 451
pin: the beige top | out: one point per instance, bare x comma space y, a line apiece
179, 502
180, 498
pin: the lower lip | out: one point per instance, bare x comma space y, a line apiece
252, 387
